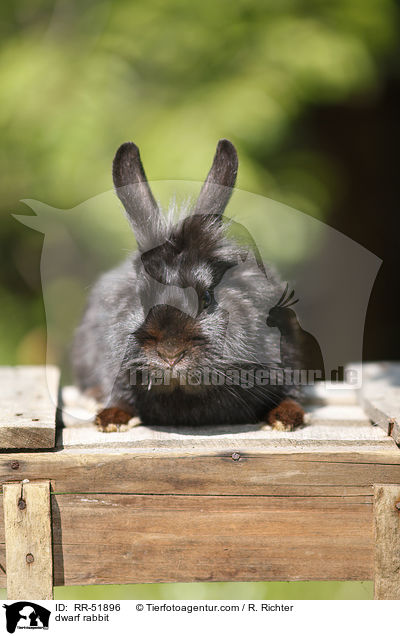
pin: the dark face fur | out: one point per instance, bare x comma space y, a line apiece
170, 339
193, 259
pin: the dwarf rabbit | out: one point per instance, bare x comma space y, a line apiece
191, 302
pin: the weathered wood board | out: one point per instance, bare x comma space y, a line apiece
134, 539
28, 406
380, 396
27, 534
387, 541
332, 418
323, 435
256, 471
240, 504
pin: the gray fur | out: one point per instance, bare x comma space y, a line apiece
161, 289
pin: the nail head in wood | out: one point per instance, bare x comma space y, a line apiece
235, 457
30, 558
14, 465
21, 504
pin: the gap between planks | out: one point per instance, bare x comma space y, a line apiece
28, 397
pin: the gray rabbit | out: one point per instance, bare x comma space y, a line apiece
190, 303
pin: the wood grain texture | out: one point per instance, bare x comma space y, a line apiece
248, 504
380, 396
387, 541
27, 533
258, 471
325, 425
28, 398
327, 421
324, 394
324, 436
151, 538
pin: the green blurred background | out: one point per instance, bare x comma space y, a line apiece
308, 90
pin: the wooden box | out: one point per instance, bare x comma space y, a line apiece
239, 504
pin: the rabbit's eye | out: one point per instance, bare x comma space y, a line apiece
206, 300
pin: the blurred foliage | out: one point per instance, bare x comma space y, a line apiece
79, 77
321, 590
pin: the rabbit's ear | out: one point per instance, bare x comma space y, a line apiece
217, 188
134, 191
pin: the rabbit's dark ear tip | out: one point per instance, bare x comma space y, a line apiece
224, 145
126, 158
128, 148
227, 153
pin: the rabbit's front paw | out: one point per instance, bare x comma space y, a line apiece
287, 416
113, 419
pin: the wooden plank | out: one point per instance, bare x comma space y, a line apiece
150, 538
343, 417
324, 424
387, 541
251, 470
27, 529
380, 396
326, 394
28, 397
324, 436
331, 417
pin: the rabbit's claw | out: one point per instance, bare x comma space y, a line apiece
287, 416
112, 419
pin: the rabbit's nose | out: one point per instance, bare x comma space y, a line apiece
171, 356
